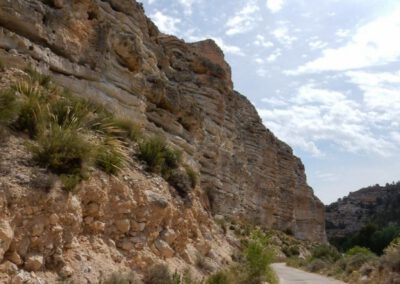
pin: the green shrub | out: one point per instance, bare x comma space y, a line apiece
192, 176
317, 265
70, 181
258, 258
180, 181
172, 158
111, 155
158, 274
120, 278
62, 150
152, 152
129, 129
359, 250
9, 107
220, 277
355, 261
325, 252
70, 111
33, 108
35, 76
290, 251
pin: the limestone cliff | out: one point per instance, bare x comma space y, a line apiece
378, 205
109, 51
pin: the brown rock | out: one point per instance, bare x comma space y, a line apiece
6, 236
34, 263
164, 249
123, 225
14, 258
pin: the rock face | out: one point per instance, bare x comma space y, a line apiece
376, 204
109, 51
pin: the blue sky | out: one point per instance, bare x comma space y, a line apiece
323, 75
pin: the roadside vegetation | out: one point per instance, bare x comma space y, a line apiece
356, 264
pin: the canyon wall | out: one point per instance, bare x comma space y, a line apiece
109, 51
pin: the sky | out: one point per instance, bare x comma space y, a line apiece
323, 75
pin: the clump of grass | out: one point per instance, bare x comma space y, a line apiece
192, 174
61, 149
9, 107
2, 66
64, 127
159, 157
111, 155
35, 76
129, 129
152, 151
120, 278
158, 274
220, 277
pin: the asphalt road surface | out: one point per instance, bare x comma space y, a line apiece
289, 275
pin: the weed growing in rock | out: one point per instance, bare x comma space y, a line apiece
120, 278
63, 150
111, 155
9, 107
151, 151
158, 274
65, 129
129, 129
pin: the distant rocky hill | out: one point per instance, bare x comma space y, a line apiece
376, 206
108, 51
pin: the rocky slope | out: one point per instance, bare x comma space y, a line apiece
110, 52
375, 204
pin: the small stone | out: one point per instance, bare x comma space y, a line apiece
138, 227
66, 271
168, 235
6, 236
126, 245
58, 4
53, 219
93, 209
8, 267
14, 258
123, 225
164, 249
98, 226
37, 229
34, 263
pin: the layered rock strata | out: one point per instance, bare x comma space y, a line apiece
109, 51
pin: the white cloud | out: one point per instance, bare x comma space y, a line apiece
261, 41
227, 48
381, 95
244, 20
274, 5
371, 45
317, 44
165, 23
274, 55
261, 72
314, 116
187, 6
282, 35
342, 33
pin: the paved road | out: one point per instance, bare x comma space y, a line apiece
289, 275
